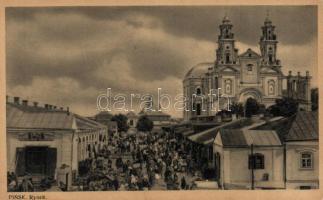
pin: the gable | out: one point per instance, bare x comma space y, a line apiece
268, 70
228, 69
250, 54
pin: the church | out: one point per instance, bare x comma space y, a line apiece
240, 76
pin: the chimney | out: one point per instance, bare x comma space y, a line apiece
61, 108
16, 100
289, 73
54, 107
46, 106
68, 110
25, 102
35, 104
307, 73
298, 73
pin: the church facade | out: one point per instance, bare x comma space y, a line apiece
238, 77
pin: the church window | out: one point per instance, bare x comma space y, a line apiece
198, 109
306, 160
227, 58
198, 91
271, 87
270, 58
249, 68
228, 86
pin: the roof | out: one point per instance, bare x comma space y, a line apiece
233, 137
304, 127
245, 138
155, 113
281, 126
85, 123
131, 114
199, 70
19, 116
208, 135
27, 117
103, 115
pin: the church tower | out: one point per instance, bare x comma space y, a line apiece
268, 44
226, 52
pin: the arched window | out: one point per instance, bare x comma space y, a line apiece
228, 86
131, 122
198, 109
270, 58
271, 87
306, 160
249, 68
198, 91
227, 58
256, 161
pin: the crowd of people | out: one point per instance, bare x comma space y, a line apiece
141, 161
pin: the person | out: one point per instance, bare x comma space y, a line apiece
116, 182
183, 183
26, 185
12, 185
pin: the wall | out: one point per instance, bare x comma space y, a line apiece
61, 138
237, 174
296, 176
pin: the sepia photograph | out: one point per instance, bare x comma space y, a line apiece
159, 98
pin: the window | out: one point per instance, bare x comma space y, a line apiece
210, 153
198, 109
271, 87
227, 58
249, 67
228, 86
198, 91
270, 58
306, 160
256, 161
131, 122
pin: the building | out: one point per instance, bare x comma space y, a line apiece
46, 141
302, 152
105, 118
249, 159
132, 119
241, 76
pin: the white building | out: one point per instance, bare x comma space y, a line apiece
302, 152
49, 142
247, 159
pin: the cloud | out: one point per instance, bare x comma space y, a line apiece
69, 56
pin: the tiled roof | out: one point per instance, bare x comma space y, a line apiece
19, 116
304, 127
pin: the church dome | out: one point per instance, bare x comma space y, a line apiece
199, 70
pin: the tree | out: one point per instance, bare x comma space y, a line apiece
144, 124
237, 108
121, 121
252, 107
284, 107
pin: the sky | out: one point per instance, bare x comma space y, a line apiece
67, 56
